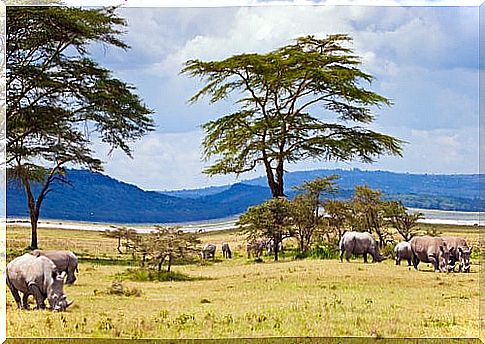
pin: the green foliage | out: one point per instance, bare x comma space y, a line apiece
58, 98
339, 216
268, 220
149, 275
368, 213
397, 216
324, 252
433, 231
305, 209
284, 96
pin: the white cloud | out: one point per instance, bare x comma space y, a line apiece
164, 162
424, 59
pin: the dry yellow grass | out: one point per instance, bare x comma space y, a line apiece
241, 298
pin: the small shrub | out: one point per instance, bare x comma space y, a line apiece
117, 288
145, 275
433, 231
324, 252
388, 250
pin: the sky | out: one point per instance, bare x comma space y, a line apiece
424, 58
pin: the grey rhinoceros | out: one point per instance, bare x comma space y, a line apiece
403, 251
459, 252
432, 250
359, 243
64, 261
209, 251
36, 276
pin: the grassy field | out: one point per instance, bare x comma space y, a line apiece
243, 298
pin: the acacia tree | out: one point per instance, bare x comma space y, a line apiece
170, 243
270, 219
339, 215
398, 217
368, 213
305, 208
59, 99
296, 102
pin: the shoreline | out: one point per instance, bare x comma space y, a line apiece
435, 217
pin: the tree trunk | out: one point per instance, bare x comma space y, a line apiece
33, 223
169, 263
34, 214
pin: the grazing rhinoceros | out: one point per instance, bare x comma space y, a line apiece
359, 243
431, 250
64, 261
255, 247
226, 250
459, 252
209, 251
403, 251
36, 276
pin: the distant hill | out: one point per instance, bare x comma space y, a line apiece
99, 198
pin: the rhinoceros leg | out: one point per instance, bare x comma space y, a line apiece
15, 294
409, 262
39, 298
415, 262
435, 263
365, 257
25, 301
398, 259
71, 277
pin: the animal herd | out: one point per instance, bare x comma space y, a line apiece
442, 252
44, 273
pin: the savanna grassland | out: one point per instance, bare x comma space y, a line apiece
244, 298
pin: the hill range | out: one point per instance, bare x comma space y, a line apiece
96, 197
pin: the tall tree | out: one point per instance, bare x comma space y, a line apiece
305, 208
59, 99
270, 219
296, 102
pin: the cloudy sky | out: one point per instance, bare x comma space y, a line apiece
423, 58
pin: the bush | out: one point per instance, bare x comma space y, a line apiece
117, 288
145, 275
388, 250
323, 252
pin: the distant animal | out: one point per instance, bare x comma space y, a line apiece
403, 251
359, 243
459, 252
226, 250
432, 250
270, 246
63, 260
209, 251
39, 277
255, 247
